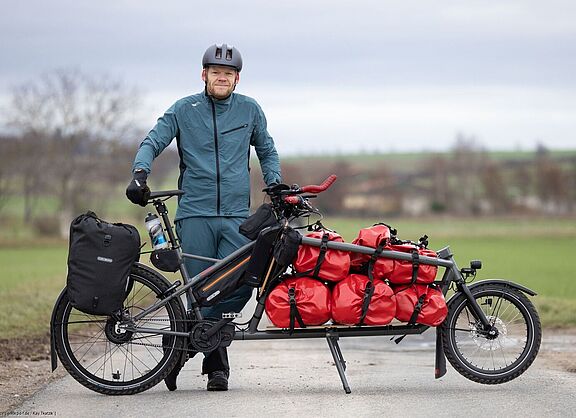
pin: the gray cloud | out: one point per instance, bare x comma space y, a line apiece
460, 55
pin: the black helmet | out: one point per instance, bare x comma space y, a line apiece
222, 54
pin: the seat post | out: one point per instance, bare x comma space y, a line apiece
163, 212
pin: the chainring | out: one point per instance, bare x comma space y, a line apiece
200, 342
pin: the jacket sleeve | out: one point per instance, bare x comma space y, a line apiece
265, 150
157, 139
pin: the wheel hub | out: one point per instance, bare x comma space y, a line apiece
116, 334
497, 330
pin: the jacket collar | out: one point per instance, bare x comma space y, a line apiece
220, 103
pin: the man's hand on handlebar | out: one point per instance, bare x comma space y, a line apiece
138, 191
276, 188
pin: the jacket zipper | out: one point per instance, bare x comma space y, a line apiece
234, 129
217, 158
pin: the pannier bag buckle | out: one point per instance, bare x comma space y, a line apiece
292, 296
107, 239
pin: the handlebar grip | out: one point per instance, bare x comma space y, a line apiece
317, 189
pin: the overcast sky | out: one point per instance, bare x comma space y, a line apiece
331, 76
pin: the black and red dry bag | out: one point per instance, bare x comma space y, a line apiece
377, 237
414, 271
298, 302
320, 262
420, 304
358, 301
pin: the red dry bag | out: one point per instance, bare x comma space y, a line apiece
320, 262
358, 301
377, 237
420, 304
407, 272
298, 302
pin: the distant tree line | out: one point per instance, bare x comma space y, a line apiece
465, 181
72, 140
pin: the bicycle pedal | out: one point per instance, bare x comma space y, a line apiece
231, 315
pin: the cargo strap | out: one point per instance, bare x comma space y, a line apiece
294, 313
417, 309
415, 266
316, 270
369, 290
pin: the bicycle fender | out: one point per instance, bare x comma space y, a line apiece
53, 355
505, 283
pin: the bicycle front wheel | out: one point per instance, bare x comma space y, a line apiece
113, 361
492, 358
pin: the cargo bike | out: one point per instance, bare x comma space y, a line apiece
490, 331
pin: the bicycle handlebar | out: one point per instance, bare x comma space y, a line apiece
320, 188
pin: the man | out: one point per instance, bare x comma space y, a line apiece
214, 130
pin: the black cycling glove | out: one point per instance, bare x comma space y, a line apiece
138, 191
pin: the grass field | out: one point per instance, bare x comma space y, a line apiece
533, 252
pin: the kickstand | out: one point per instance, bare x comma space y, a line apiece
338, 359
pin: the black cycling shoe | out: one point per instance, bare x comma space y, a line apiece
170, 380
217, 380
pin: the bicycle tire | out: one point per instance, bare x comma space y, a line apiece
107, 361
485, 359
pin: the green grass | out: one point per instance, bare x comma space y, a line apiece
30, 281
532, 252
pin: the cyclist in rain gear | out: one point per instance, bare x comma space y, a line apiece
214, 131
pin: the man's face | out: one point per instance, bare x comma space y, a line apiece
220, 81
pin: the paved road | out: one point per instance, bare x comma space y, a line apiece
285, 378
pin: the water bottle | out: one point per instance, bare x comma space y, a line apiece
156, 232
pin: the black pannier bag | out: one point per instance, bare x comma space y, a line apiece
261, 257
219, 282
262, 218
100, 257
286, 248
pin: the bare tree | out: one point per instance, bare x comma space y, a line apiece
67, 121
7, 154
465, 168
495, 190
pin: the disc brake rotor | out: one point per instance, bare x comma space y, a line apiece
479, 335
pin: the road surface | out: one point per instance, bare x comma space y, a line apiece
288, 378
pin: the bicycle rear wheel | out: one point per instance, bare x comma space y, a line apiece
112, 361
492, 359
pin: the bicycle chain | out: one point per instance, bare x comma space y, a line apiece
160, 345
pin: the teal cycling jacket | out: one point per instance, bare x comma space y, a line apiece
213, 139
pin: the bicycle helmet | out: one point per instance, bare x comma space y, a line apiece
222, 54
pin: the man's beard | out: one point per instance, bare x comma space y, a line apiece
211, 93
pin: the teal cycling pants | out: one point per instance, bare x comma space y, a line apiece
214, 237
